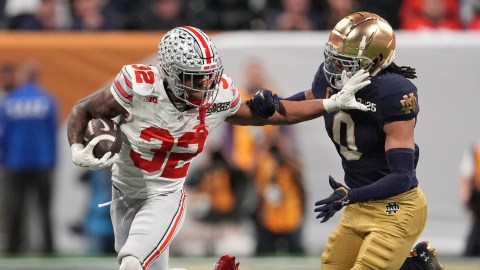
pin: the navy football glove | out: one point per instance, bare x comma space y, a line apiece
264, 103
340, 197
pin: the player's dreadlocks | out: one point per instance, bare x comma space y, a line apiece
405, 71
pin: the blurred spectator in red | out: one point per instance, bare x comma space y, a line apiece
91, 15
44, 18
430, 14
470, 14
160, 14
297, 15
474, 23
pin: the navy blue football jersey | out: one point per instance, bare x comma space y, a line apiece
359, 136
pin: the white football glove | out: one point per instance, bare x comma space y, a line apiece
83, 156
345, 99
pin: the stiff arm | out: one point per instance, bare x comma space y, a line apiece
290, 112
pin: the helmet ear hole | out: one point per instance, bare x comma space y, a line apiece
375, 60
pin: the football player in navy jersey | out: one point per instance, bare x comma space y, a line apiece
385, 209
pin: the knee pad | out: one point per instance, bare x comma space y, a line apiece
380, 254
341, 250
130, 263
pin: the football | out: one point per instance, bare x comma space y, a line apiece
109, 134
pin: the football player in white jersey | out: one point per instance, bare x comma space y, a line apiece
166, 112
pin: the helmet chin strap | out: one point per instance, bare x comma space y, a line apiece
201, 130
194, 101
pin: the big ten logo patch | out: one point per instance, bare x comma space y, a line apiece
392, 208
153, 99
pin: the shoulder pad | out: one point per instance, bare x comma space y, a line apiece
226, 83
143, 77
400, 99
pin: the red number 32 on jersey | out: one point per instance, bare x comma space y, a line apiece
169, 156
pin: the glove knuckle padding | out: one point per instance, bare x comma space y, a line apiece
263, 103
341, 193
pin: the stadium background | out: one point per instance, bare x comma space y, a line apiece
73, 65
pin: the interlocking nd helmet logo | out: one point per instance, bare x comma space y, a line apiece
409, 103
392, 208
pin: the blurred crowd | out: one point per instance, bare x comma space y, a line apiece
221, 15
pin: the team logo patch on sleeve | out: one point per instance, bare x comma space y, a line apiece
392, 208
409, 103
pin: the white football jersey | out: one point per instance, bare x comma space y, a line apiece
159, 141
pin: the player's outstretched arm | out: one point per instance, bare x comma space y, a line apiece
99, 104
289, 112
266, 108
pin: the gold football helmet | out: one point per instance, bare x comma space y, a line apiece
362, 40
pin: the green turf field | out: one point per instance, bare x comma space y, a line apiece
268, 263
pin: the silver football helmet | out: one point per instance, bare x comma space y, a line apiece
361, 40
190, 61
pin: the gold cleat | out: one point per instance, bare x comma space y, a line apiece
427, 256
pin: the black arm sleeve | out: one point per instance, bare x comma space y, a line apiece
297, 97
400, 179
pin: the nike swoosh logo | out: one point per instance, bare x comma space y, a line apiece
105, 128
